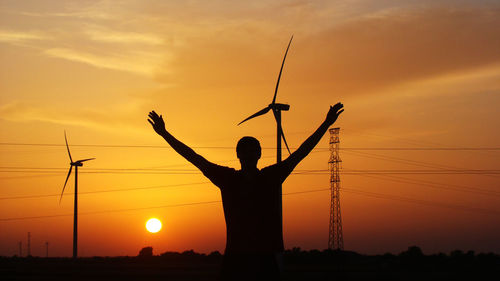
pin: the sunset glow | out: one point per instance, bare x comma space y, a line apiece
419, 138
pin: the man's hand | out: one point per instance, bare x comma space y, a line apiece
334, 113
157, 122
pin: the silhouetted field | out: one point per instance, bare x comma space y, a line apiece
299, 265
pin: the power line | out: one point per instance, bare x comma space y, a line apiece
404, 161
405, 140
195, 171
31, 176
423, 148
232, 147
349, 190
145, 208
112, 211
422, 171
399, 160
120, 146
383, 177
104, 191
97, 169
310, 173
436, 185
173, 165
421, 202
363, 154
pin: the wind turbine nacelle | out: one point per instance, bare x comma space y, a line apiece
77, 163
280, 106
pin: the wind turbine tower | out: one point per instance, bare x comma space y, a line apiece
336, 236
76, 164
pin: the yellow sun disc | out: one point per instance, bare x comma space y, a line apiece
153, 225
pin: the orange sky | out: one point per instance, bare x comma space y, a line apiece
411, 74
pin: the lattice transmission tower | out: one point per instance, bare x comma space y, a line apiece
336, 237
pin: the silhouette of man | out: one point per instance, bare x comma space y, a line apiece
251, 200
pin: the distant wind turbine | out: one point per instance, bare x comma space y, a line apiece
75, 164
277, 108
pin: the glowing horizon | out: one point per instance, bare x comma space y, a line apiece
411, 75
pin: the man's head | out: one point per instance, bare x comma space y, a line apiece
248, 151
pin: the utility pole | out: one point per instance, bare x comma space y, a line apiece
20, 248
336, 237
29, 244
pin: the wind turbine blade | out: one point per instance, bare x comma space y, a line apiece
67, 177
85, 160
281, 70
263, 111
281, 132
286, 144
67, 146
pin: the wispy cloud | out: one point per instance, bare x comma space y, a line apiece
364, 55
84, 15
139, 63
20, 36
118, 116
401, 46
111, 36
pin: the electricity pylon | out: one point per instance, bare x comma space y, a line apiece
336, 237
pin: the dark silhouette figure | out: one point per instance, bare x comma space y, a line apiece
251, 200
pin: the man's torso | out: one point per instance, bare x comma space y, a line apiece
252, 208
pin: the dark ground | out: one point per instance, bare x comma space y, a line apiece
299, 265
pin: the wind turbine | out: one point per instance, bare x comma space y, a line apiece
75, 164
277, 108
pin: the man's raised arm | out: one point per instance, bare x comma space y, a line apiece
313, 140
159, 126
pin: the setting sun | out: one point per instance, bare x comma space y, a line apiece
153, 225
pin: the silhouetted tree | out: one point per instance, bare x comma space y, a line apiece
456, 254
412, 252
215, 254
146, 252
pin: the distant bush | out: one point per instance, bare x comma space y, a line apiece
146, 252
215, 254
412, 252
